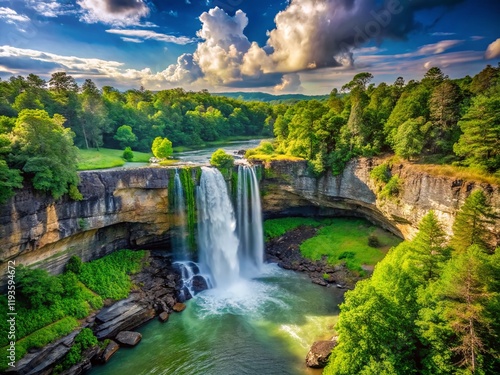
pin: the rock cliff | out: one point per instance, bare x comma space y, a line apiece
130, 209
120, 209
288, 188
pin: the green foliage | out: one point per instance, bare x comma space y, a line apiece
162, 148
221, 160
40, 338
48, 306
346, 240
189, 191
125, 136
74, 265
277, 227
84, 340
44, 150
108, 276
409, 140
128, 155
470, 226
74, 193
479, 143
423, 312
429, 247
381, 173
10, 179
391, 189
373, 241
106, 158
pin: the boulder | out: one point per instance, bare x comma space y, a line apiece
111, 349
199, 283
163, 317
128, 338
319, 353
178, 307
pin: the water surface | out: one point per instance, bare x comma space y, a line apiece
262, 326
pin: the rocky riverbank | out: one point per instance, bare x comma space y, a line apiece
285, 251
155, 293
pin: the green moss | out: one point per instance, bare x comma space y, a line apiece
188, 186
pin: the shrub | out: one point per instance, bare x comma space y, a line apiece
220, 159
392, 188
162, 148
373, 241
381, 173
74, 265
128, 155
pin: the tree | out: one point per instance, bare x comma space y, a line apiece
61, 82
444, 106
409, 141
128, 155
433, 77
430, 251
44, 150
162, 148
480, 142
93, 116
469, 227
220, 159
125, 136
455, 321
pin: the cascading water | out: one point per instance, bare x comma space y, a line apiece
249, 223
179, 238
217, 240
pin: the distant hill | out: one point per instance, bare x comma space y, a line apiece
264, 97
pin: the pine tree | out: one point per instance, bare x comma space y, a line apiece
469, 227
430, 251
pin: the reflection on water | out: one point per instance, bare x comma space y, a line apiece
260, 326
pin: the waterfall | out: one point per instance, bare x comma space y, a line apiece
217, 240
249, 224
179, 237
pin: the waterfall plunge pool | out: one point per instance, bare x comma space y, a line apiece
262, 326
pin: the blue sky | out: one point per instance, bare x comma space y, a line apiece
308, 46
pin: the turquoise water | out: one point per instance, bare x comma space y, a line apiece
260, 326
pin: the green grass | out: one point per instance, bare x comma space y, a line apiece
107, 158
40, 338
278, 227
338, 239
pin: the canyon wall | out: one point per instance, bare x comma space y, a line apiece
129, 208
120, 209
289, 188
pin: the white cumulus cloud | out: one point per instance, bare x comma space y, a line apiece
493, 50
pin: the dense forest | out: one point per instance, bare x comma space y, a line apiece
444, 120
438, 119
432, 306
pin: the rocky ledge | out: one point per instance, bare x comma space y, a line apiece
157, 291
284, 251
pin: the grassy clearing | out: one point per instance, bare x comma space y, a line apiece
338, 239
277, 227
267, 158
107, 158
346, 240
463, 173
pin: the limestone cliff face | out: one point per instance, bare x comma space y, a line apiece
130, 209
120, 209
289, 188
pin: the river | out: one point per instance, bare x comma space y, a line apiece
261, 326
